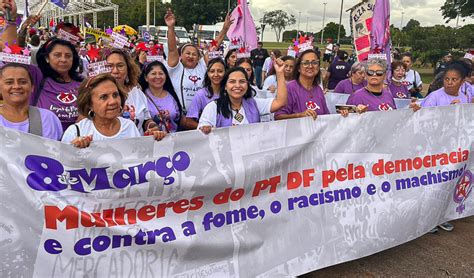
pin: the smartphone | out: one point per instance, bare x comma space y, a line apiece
8, 14
350, 108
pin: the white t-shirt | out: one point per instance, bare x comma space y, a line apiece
267, 64
410, 78
329, 49
209, 114
269, 81
137, 106
87, 127
192, 81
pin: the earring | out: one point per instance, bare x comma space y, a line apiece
90, 114
127, 80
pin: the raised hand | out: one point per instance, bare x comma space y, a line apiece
170, 19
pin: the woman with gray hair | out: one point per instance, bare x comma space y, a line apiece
355, 82
373, 97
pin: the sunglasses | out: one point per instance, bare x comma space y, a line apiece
375, 72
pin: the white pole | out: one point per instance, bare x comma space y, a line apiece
340, 21
148, 15
324, 18
154, 12
299, 19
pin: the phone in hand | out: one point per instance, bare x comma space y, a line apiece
350, 108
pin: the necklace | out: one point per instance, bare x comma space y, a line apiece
238, 117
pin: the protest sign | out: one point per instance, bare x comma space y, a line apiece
15, 58
94, 69
361, 25
263, 200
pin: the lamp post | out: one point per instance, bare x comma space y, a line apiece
340, 20
324, 18
401, 21
263, 30
299, 20
154, 12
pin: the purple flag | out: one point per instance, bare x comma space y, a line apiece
60, 3
380, 33
243, 28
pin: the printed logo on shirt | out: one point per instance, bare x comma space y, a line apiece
384, 107
406, 83
400, 95
312, 105
194, 78
66, 98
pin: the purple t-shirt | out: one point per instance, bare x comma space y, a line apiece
300, 100
383, 102
59, 98
51, 125
399, 91
347, 87
168, 116
441, 98
200, 101
339, 71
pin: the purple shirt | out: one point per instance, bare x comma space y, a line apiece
382, 102
339, 71
441, 98
198, 103
51, 125
300, 100
59, 98
168, 116
346, 86
399, 91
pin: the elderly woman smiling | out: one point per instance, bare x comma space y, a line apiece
101, 98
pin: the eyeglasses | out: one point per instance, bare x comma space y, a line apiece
375, 72
308, 63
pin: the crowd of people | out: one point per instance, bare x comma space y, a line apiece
56, 96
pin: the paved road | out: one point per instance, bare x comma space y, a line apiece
440, 255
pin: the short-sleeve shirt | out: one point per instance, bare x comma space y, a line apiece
347, 87
339, 71
441, 98
399, 91
167, 117
300, 100
87, 127
209, 115
51, 126
412, 77
187, 82
136, 108
199, 102
382, 102
59, 98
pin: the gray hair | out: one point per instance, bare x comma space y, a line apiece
377, 61
358, 66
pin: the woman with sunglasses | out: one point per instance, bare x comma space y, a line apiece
215, 74
236, 104
355, 82
398, 85
374, 96
305, 95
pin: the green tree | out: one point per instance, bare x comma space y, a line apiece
205, 12
452, 8
278, 20
331, 29
288, 35
465, 36
431, 43
412, 24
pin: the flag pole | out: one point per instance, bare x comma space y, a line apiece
228, 6
42, 7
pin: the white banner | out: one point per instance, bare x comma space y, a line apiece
264, 200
